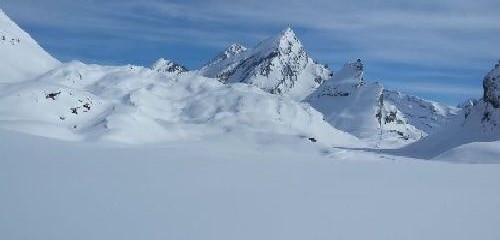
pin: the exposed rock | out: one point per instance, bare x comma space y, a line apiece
491, 85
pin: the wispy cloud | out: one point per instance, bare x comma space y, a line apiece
446, 35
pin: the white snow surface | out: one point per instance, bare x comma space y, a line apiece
21, 58
277, 65
231, 188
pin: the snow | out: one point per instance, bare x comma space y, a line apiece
277, 65
21, 57
207, 190
476, 152
425, 115
478, 123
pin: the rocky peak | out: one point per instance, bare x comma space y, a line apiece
491, 86
233, 50
167, 66
285, 43
278, 65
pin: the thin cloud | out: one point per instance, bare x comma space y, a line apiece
431, 35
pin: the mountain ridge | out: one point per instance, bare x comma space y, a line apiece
23, 58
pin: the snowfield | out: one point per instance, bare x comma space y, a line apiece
267, 189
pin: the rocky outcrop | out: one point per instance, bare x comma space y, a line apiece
491, 86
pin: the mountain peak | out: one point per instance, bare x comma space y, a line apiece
277, 65
167, 66
234, 49
288, 31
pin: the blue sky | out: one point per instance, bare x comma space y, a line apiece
439, 50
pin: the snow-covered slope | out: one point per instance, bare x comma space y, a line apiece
425, 115
369, 111
21, 58
477, 122
277, 65
137, 104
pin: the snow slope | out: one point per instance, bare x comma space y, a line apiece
54, 190
425, 115
475, 152
277, 65
21, 58
477, 122
136, 105
373, 113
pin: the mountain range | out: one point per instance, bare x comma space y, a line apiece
275, 87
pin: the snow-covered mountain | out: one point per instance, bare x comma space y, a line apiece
136, 105
479, 121
369, 111
278, 65
167, 66
21, 57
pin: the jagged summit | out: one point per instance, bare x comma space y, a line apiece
167, 66
22, 57
491, 86
278, 65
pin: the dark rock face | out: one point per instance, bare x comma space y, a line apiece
491, 86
